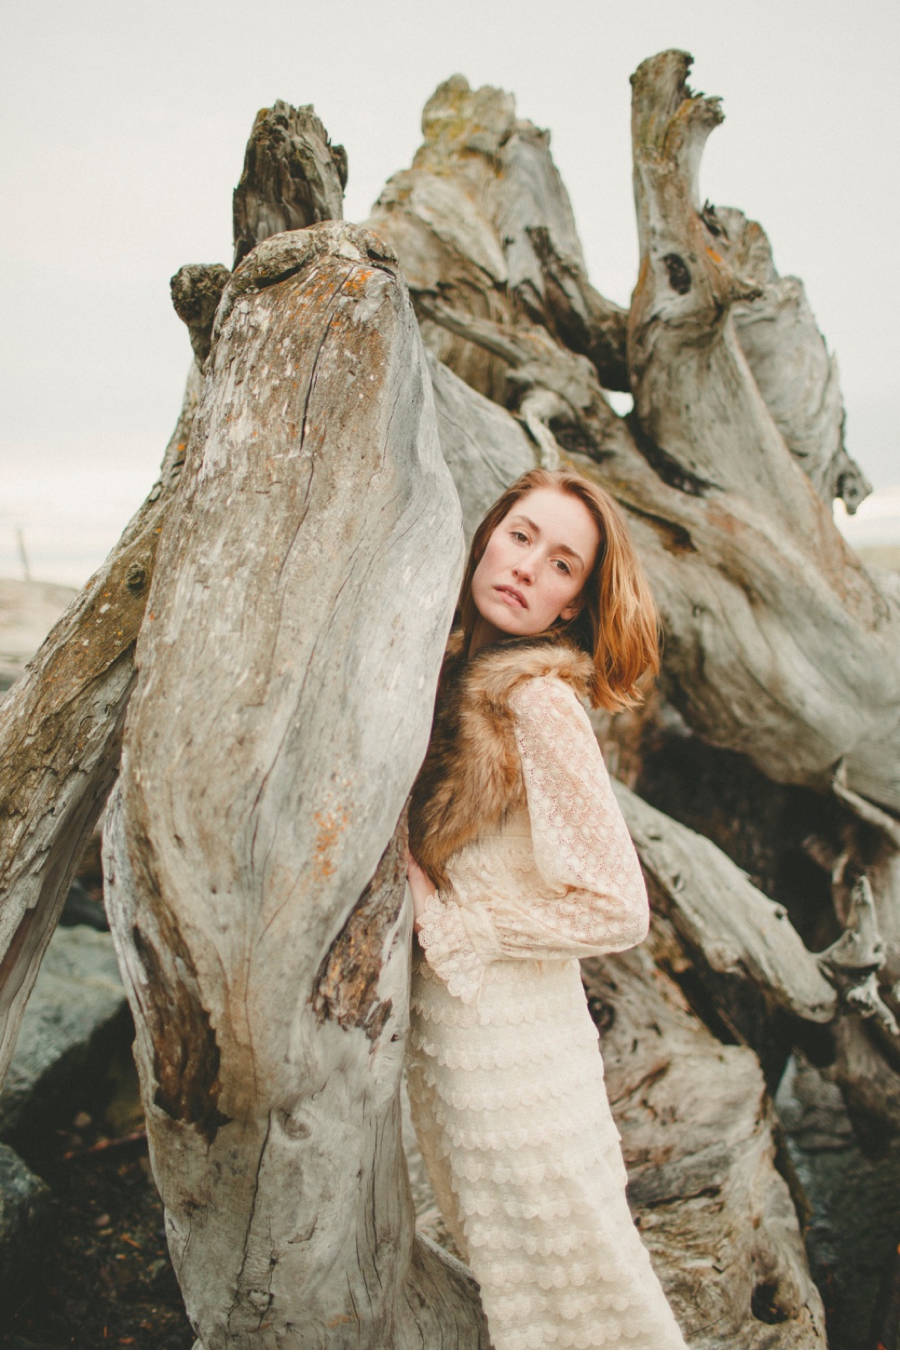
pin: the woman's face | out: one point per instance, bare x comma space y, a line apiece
536, 562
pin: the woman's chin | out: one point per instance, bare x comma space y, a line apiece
511, 623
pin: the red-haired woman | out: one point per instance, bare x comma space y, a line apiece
520, 865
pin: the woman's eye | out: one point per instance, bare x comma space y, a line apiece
520, 536
563, 566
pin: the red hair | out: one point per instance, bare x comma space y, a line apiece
617, 624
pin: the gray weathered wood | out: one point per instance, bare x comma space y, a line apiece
817, 640
60, 734
484, 448
60, 729
719, 915
779, 644
282, 709
791, 365
292, 177
697, 1135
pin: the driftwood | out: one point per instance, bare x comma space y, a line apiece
303, 578
778, 643
60, 728
767, 613
60, 731
293, 177
700, 1141
319, 539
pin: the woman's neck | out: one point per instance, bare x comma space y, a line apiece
483, 634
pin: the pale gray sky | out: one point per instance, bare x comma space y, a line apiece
124, 126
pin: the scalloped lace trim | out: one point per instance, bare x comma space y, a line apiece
439, 1011
540, 1091
448, 949
504, 1072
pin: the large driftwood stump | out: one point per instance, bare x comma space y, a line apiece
256, 866
303, 575
779, 644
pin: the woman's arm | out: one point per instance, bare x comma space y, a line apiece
589, 897
420, 886
593, 899
442, 934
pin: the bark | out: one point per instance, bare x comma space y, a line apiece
255, 861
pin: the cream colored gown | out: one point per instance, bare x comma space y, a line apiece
505, 1074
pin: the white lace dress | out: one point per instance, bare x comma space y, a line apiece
505, 1074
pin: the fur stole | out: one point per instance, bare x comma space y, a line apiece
472, 776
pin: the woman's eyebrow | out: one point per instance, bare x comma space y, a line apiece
557, 549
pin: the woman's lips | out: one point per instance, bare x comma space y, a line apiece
513, 596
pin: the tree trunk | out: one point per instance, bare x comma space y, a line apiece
256, 850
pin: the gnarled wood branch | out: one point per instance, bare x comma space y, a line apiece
779, 644
293, 177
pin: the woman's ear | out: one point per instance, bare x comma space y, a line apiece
574, 607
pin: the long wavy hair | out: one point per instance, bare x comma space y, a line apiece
618, 623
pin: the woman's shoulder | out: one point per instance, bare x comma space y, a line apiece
546, 696
499, 673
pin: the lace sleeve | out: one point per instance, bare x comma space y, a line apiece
595, 901
448, 948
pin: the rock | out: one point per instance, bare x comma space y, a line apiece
75, 1010
28, 611
24, 1220
82, 909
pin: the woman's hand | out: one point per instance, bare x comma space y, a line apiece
421, 887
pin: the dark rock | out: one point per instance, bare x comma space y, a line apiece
82, 909
74, 1015
24, 1220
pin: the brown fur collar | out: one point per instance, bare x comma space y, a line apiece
471, 776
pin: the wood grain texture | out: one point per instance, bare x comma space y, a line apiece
779, 644
60, 734
720, 918
292, 177
700, 1144
255, 887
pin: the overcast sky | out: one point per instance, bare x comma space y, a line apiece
124, 127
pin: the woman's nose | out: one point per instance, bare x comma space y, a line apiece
524, 569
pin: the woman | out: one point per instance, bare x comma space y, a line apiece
520, 865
